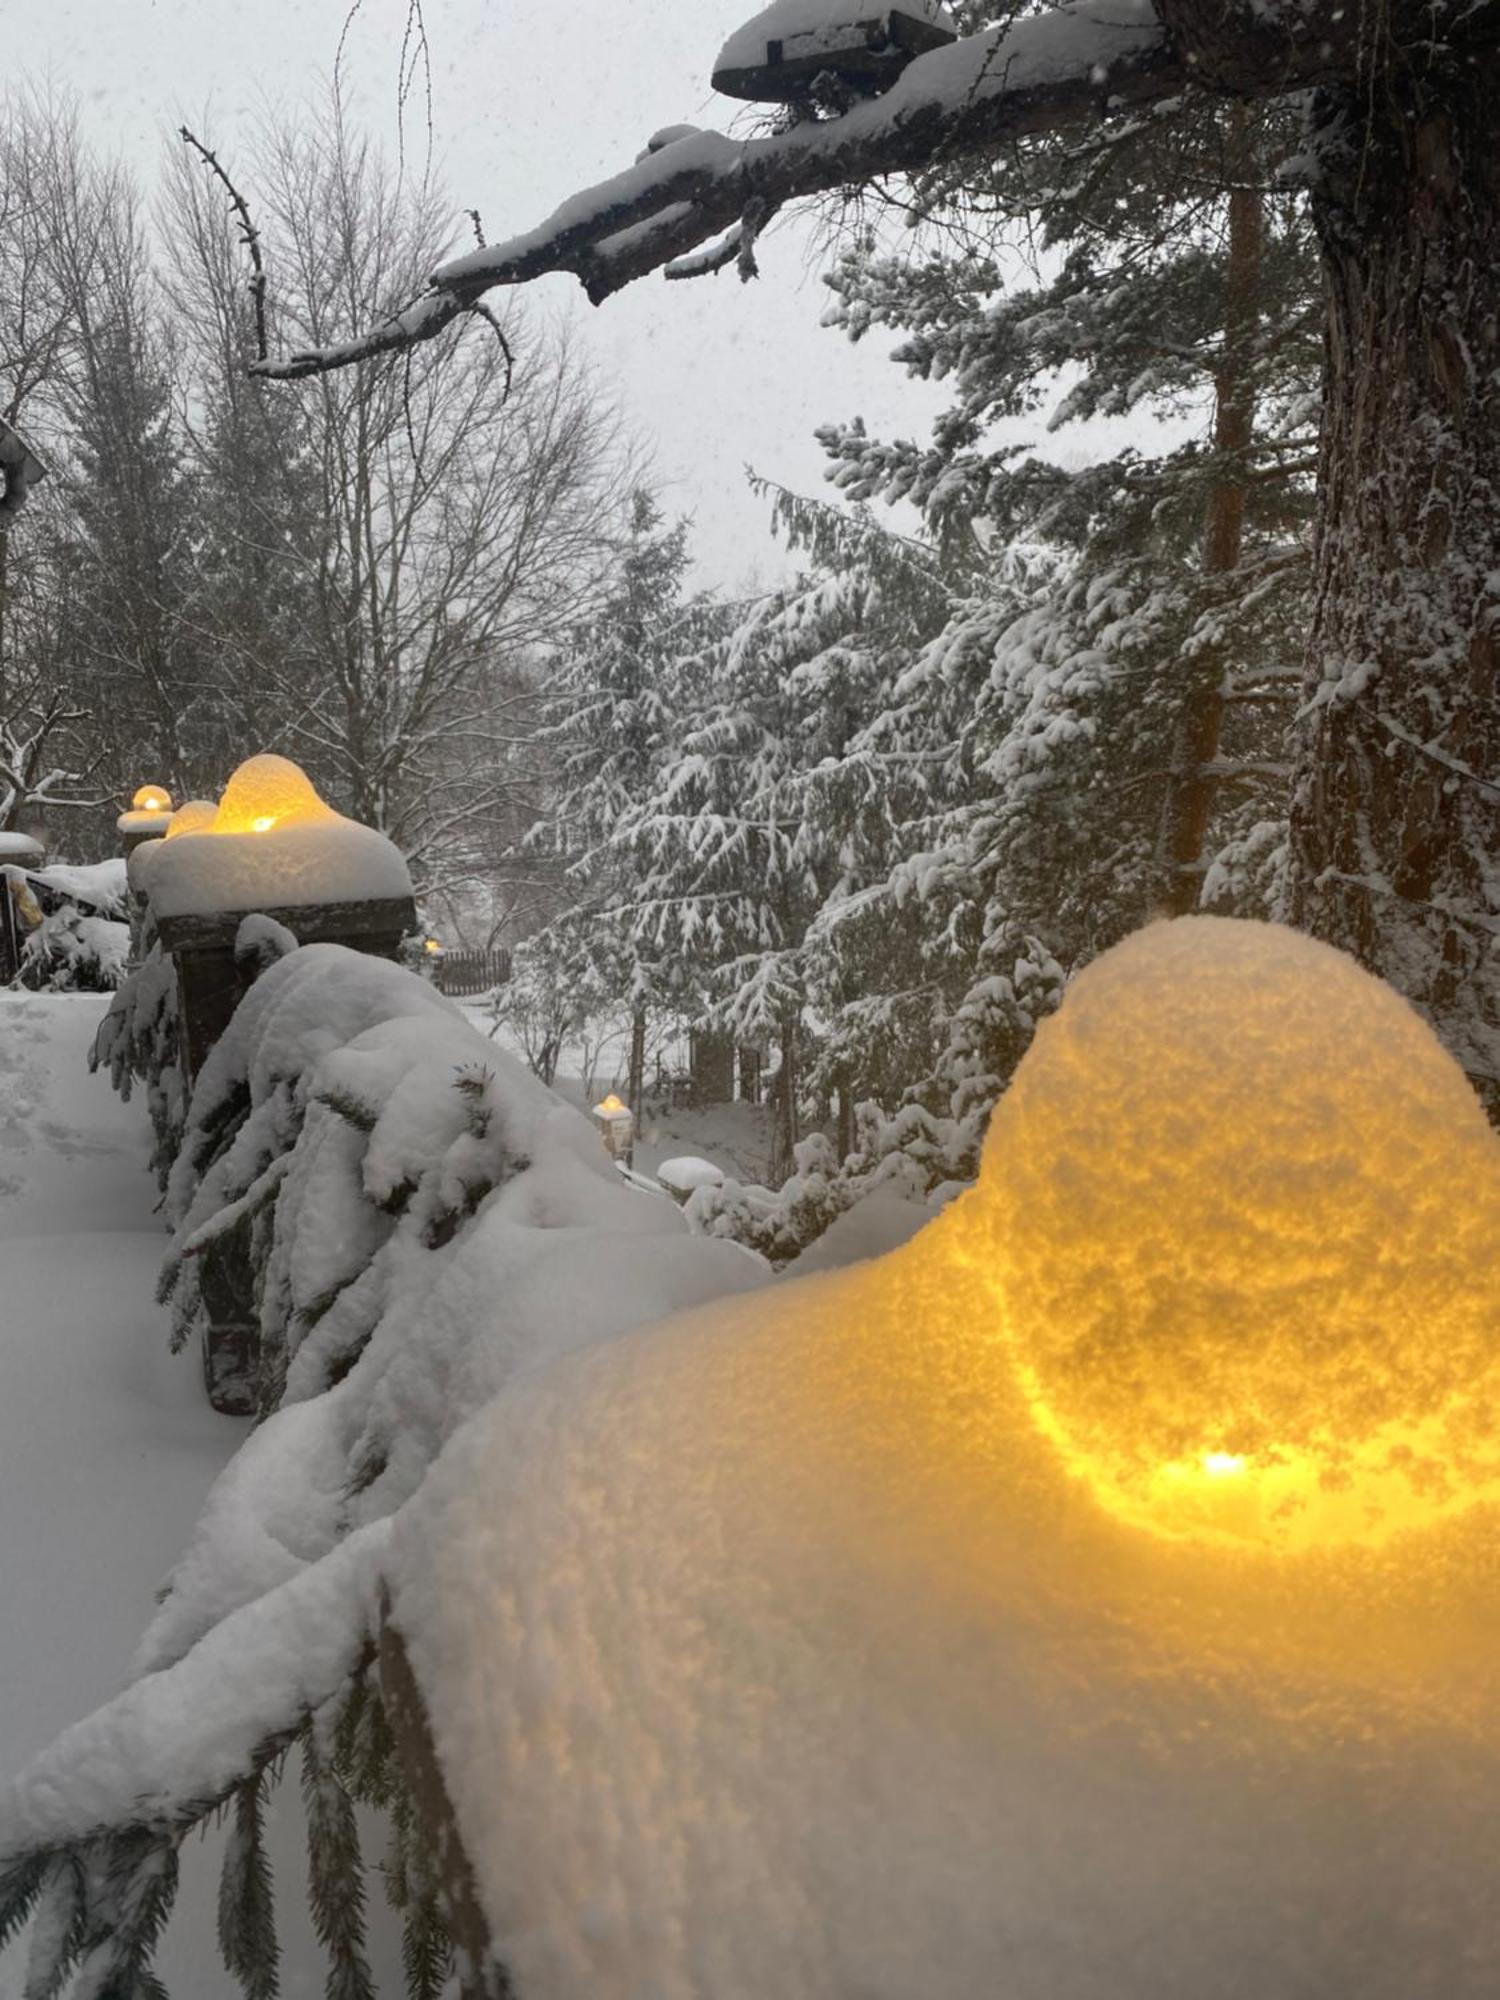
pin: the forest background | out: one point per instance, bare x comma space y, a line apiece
859, 827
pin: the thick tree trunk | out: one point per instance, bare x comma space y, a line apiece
1192, 784
1396, 805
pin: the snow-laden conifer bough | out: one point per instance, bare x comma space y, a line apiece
1093, 1597
1398, 760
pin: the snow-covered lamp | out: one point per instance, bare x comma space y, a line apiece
780, 55
616, 1124
148, 817
272, 848
1100, 1587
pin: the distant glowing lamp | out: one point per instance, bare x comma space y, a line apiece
616, 1125
433, 947
147, 818
1241, 1213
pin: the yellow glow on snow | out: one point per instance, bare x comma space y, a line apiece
269, 791
1242, 1213
432, 946
194, 816
610, 1106
152, 799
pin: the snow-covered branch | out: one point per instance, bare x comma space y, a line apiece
1083, 60
1079, 61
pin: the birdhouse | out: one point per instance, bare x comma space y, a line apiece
616, 1124
780, 55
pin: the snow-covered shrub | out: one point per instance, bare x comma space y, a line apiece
422, 1220
137, 1042
82, 944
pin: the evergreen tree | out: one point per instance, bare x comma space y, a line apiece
609, 716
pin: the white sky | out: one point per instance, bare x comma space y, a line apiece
530, 102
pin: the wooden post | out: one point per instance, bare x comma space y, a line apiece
212, 978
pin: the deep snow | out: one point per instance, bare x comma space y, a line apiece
107, 1445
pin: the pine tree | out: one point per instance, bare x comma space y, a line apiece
609, 716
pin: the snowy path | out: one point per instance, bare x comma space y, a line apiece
107, 1448
106, 1444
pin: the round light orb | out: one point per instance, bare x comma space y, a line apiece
152, 799
266, 792
1241, 1211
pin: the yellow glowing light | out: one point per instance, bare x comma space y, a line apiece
1240, 1216
432, 946
611, 1106
152, 799
194, 816
266, 792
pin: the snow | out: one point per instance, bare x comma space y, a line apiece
686, 1172
1066, 42
20, 848
273, 844
798, 1644
200, 874
806, 27
876, 1223
99, 883
106, 1443
438, 1224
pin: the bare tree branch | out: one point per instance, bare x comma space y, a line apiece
249, 235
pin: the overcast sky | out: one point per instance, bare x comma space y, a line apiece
530, 102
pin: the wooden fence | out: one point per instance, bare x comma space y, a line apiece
464, 973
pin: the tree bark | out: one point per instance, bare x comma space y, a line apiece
784, 1132
1191, 787
1397, 790
635, 1089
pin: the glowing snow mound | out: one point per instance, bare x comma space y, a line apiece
270, 791
193, 816
782, 1648
270, 843
1243, 1214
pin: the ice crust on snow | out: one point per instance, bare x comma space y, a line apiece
786, 1646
